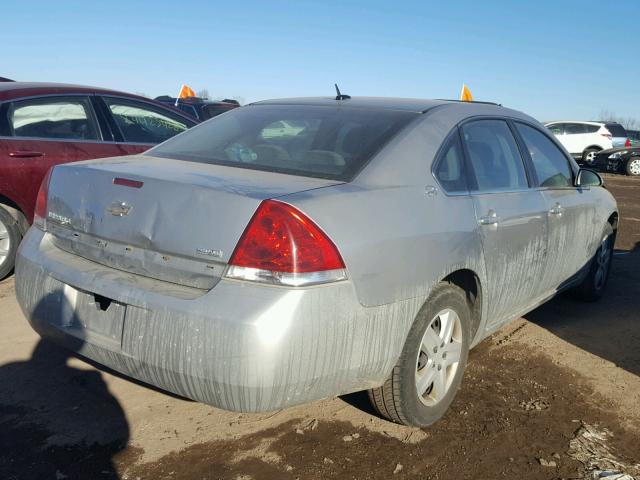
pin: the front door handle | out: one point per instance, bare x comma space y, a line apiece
491, 218
557, 210
25, 154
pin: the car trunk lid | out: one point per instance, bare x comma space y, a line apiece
172, 220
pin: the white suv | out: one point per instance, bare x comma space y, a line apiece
584, 140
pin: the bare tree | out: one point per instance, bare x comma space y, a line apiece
203, 93
629, 123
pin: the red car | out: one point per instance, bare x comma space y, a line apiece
44, 124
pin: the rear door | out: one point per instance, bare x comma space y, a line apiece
511, 215
43, 131
576, 138
139, 125
570, 210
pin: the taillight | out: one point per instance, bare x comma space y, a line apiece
608, 135
627, 144
281, 245
40, 212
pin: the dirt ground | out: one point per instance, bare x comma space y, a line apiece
553, 395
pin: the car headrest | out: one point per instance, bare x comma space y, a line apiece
273, 154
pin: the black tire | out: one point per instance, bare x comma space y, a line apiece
632, 167
398, 399
9, 242
595, 282
589, 156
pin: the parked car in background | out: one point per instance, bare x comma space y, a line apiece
199, 108
619, 160
634, 137
584, 140
368, 245
45, 124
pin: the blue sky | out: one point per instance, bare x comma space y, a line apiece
552, 59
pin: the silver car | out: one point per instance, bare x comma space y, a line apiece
367, 246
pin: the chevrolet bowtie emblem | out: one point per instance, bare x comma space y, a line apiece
119, 209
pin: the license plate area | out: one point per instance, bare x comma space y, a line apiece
89, 315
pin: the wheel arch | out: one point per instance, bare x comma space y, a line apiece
613, 221
592, 147
469, 281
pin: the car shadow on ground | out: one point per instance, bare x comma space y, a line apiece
56, 420
608, 328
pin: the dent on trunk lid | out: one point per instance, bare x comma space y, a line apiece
181, 226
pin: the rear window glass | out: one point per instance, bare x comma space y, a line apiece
211, 111
316, 141
616, 130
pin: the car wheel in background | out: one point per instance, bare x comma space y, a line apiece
593, 285
429, 372
10, 237
589, 155
633, 166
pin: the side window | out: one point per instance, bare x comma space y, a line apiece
189, 110
551, 165
140, 123
67, 118
494, 155
557, 128
591, 128
449, 168
574, 128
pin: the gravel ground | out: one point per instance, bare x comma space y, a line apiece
552, 395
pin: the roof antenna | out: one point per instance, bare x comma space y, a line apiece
339, 95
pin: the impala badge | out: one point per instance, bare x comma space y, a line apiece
119, 209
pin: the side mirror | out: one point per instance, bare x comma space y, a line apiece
588, 178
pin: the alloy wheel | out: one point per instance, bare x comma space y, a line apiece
438, 357
634, 167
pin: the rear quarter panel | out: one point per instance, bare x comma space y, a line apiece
397, 241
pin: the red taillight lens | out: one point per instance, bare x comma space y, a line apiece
40, 212
627, 144
280, 238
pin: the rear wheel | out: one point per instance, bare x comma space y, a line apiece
589, 155
9, 240
633, 166
429, 372
594, 284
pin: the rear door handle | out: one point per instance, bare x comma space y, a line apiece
557, 210
25, 154
491, 218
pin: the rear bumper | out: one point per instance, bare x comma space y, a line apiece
239, 346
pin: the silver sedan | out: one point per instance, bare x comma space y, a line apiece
297, 249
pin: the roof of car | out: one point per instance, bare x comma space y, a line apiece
585, 122
407, 104
17, 89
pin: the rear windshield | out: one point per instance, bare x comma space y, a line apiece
616, 130
315, 141
212, 110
